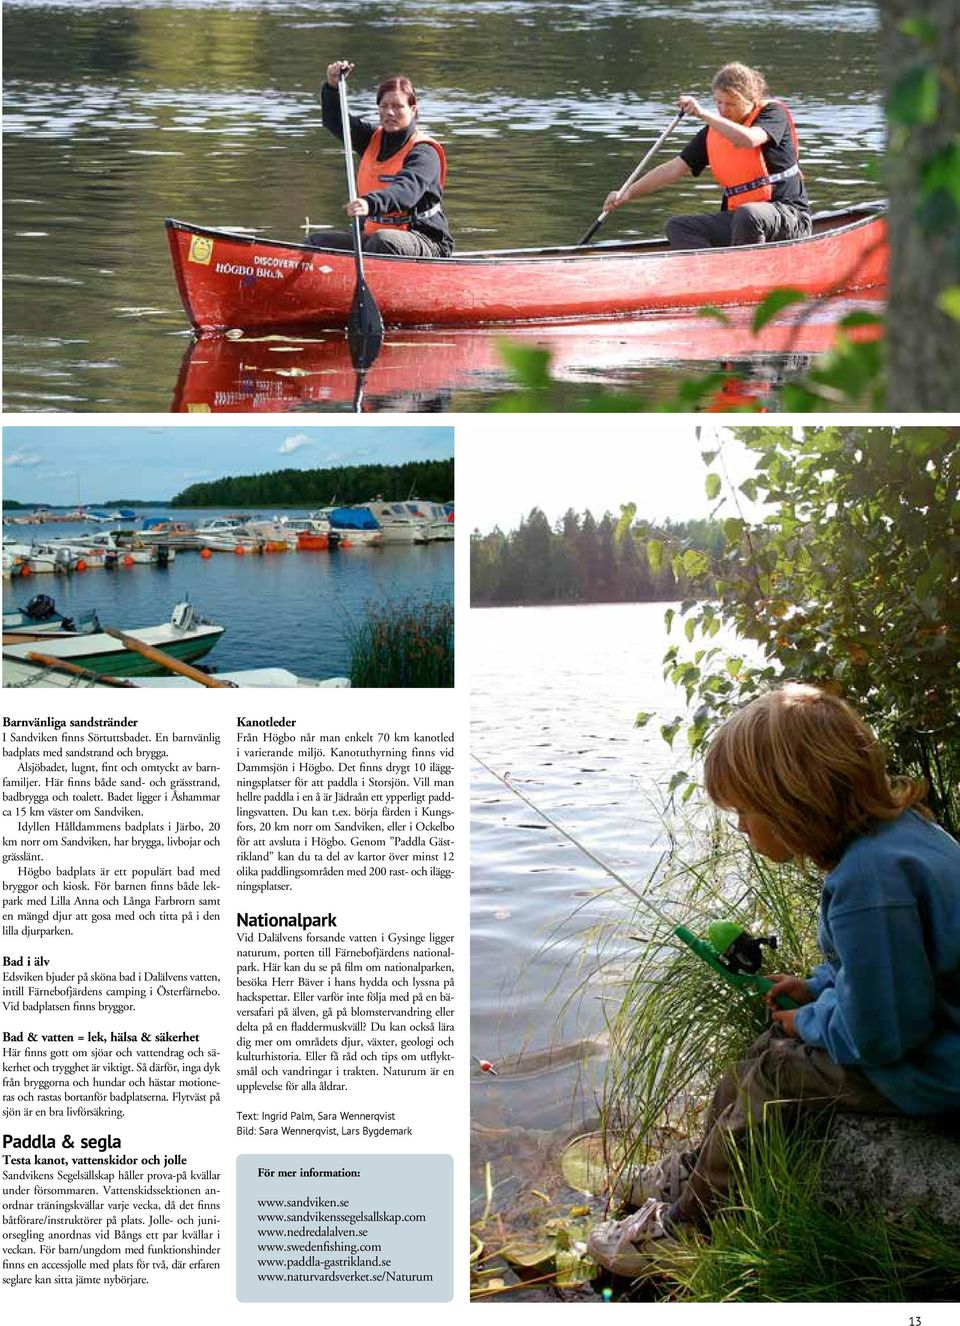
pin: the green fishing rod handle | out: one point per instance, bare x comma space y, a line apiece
751, 985
764, 985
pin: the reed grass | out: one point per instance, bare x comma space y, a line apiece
678, 1026
779, 1237
409, 644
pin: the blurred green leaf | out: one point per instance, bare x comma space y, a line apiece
711, 311
921, 28
949, 302
529, 364
775, 303
915, 97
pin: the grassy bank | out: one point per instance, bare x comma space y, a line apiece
782, 1240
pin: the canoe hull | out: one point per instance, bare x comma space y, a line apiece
228, 280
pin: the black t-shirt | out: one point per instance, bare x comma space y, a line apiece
778, 152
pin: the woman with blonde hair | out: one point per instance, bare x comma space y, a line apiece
750, 144
877, 1025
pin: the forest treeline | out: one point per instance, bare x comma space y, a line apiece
582, 560
343, 484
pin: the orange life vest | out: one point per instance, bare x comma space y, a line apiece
742, 171
373, 175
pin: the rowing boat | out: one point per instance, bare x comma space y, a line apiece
240, 281
26, 672
187, 636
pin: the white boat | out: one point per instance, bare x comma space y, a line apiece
438, 522
227, 535
107, 549
312, 533
41, 558
276, 536
86, 557
401, 522
12, 564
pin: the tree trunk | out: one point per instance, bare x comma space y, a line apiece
923, 342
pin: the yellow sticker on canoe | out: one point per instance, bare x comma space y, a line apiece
201, 249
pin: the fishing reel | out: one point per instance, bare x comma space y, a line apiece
736, 949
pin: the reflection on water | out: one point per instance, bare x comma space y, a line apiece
116, 116
554, 693
290, 610
427, 370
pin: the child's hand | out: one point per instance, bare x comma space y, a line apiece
784, 1018
792, 986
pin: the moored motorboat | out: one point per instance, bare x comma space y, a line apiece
232, 280
87, 557
439, 526
39, 617
186, 637
174, 534
354, 526
273, 534
41, 558
13, 564
227, 534
401, 522
116, 548
312, 534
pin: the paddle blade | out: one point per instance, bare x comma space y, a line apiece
365, 328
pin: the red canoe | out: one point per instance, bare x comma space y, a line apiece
229, 280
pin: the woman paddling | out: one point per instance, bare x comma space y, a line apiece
750, 145
400, 178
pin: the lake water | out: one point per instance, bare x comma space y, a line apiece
117, 116
292, 610
554, 694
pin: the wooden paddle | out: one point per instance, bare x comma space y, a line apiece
165, 661
365, 328
64, 665
588, 235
